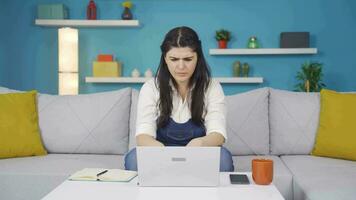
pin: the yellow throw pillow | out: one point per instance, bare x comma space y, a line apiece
336, 135
19, 129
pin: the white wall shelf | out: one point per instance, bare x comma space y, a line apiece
239, 79
263, 51
115, 79
143, 79
86, 23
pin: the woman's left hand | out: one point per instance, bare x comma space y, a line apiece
196, 142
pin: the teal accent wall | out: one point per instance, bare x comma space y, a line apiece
29, 60
3, 43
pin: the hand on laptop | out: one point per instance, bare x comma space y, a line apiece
196, 142
212, 139
147, 140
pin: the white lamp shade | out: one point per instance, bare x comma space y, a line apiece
68, 61
68, 83
68, 49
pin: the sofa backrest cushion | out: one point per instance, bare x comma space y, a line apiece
90, 123
294, 118
133, 115
247, 122
4, 90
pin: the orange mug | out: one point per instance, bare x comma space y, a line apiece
262, 171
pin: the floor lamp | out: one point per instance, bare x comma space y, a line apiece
68, 61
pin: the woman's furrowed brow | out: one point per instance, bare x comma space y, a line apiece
189, 57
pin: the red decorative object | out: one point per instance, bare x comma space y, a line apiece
222, 44
105, 58
91, 10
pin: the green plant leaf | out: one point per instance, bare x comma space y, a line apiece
311, 71
222, 34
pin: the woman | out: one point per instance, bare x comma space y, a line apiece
182, 106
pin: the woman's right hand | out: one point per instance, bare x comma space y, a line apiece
196, 142
147, 140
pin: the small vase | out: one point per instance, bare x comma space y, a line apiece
236, 68
91, 10
148, 73
253, 43
135, 73
126, 15
222, 44
245, 69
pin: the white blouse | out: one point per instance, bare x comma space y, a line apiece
148, 109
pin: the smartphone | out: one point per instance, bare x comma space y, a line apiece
239, 179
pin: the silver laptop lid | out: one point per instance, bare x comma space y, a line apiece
178, 166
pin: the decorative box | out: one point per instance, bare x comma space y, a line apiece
106, 69
294, 40
52, 11
105, 57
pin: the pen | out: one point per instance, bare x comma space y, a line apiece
101, 173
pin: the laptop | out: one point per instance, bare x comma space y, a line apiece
178, 166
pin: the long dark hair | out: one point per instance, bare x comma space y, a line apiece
182, 37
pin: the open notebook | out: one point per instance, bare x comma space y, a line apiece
99, 174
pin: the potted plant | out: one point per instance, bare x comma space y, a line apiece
310, 77
222, 36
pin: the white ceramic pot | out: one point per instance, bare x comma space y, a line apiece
135, 73
148, 73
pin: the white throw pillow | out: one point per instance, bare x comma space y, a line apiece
247, 123
294, 118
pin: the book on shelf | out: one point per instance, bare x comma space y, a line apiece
106, 175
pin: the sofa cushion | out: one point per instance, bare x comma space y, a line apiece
282, 178
319, 178
4, 90
293, 118
247, 123
34, 177
91, 123
95, 123
336, 135
133, 115
19, 130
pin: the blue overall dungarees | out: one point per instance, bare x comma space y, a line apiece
180, 134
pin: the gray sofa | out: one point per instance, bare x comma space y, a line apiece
96, 130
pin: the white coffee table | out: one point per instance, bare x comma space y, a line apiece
130, 191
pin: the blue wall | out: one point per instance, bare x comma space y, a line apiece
3, 43
28, 53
